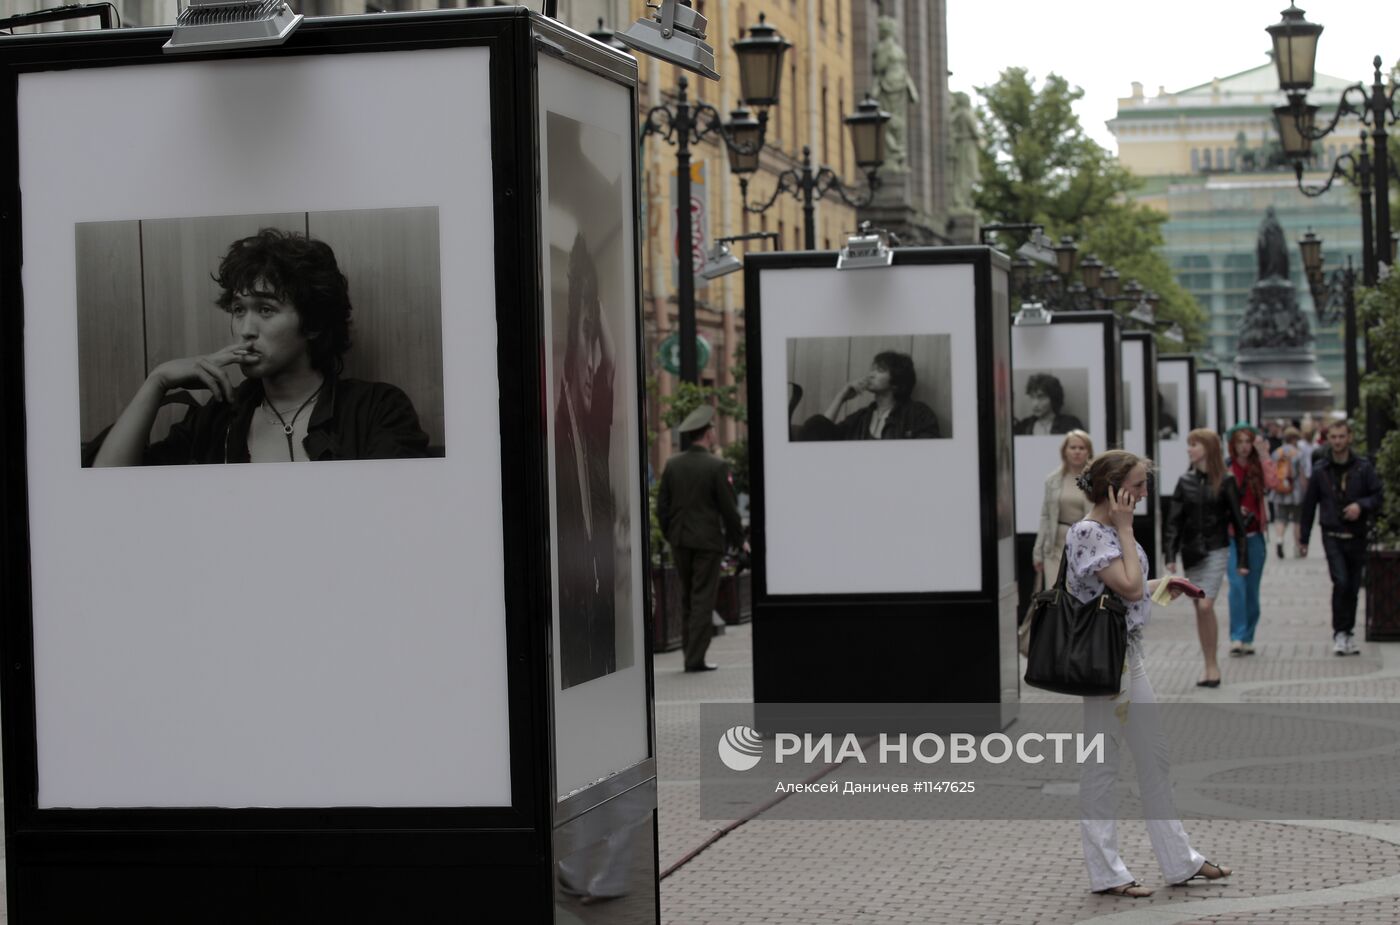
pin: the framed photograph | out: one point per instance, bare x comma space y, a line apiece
1176, 401
870, 388
304, 337
1139, 413
588, 187
1208, 399
1065, 376
868, 383
1229, 414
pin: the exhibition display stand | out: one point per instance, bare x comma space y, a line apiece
370, 689
883, 568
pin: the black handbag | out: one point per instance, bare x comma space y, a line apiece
1076, 648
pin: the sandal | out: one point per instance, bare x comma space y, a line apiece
1130, 890
1220, 873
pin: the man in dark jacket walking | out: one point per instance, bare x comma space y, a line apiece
1347, 490
697, 512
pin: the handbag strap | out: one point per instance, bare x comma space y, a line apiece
1064, 565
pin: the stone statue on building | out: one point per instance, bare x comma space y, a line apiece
1273, 319
895, 90
964, 156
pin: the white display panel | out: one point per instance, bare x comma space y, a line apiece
1254, 404
270, 635
826, 500
1058, 350
1207, 397
600, 701
1136, 395
1242, 401
1228, 413
1175, 383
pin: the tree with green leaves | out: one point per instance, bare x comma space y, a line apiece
1039, 166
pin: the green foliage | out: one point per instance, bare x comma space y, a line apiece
1039, 166
1379, 310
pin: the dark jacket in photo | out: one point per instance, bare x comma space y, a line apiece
695, 504
352, 419
1199, 522
1063, 424
909, 420
1335, 485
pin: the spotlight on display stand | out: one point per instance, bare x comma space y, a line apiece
215, 25
868, 248
720, 260
1032, 314
676, 34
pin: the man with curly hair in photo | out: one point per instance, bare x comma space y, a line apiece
289, 312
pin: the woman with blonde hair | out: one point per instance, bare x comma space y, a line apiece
1205, 505
1064, 506
1105, 557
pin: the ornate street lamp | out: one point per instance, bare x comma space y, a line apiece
809, 184
684, 123
1335, 294
1295, 54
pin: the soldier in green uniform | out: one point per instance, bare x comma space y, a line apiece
697, 512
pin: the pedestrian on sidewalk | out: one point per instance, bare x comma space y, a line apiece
1205, 505
697, 512
1248, 452
1064, 505
1345, 494
1105, 557
1292, 462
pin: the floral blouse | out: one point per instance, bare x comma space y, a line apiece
1091, 547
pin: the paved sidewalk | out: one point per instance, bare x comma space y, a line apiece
888, 872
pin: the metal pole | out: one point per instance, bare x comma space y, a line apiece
809, 209
1377, 420
1353, 374
1381, 111
684, 241
1369, 270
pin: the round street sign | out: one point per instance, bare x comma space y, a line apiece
669, 353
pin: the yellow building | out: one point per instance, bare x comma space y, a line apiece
1210, 156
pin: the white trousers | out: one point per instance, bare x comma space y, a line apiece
1130, 715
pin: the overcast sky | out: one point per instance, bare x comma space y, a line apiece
1104, 46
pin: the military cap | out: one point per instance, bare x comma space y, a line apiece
698, 419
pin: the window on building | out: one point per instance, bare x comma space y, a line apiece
841, 113
1205, 159
1195, 160
782, 235
793, 91
1219, 158
825, 128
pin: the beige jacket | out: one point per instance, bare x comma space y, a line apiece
1049, 520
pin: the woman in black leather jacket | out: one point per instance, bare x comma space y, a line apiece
1204, 506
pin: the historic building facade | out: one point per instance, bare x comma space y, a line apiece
1212, 164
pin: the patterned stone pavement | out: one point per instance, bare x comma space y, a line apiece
1031, 871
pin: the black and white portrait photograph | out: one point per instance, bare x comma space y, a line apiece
1050, 401
588, 322
1168, 394
298, 337
869, 388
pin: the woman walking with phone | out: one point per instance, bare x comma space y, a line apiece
1205, 505
1104, 557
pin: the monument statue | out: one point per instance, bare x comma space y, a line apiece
895, 90
1275, 344
1273, 319
1271, 248
965, 156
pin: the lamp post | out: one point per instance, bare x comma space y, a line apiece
1056, 289
867, 128
1295, 55
685, 123
1333, 294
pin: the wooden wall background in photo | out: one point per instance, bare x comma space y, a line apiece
823, 366
146, 294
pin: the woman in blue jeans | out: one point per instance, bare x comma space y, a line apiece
1248, 450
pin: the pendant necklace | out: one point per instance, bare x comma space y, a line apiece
287, 427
